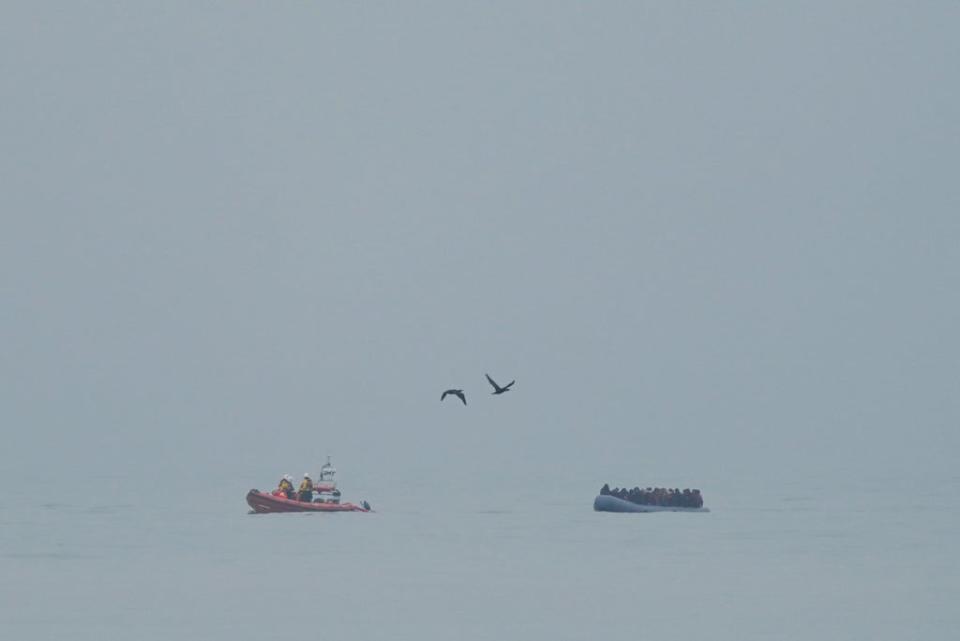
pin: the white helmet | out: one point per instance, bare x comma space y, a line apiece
306, 475
288, 477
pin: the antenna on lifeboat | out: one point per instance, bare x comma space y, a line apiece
328, 471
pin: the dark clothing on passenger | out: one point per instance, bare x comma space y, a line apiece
659, 496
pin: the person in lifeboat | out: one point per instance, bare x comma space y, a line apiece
305, 492
285, 487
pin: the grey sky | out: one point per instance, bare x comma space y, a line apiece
700, 236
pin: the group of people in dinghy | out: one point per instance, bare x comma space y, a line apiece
304, 492
656, 496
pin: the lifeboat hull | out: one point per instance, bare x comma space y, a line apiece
607, 503
264, 503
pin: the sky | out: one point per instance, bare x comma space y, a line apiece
706, 239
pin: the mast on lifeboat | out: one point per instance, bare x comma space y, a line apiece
327, 472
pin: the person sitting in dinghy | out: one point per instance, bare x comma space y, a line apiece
286, 486
305, 491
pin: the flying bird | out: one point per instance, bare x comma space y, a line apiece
456, 392
496, 388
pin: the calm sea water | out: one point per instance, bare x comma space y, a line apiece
866, 560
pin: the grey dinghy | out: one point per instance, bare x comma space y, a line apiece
608, 503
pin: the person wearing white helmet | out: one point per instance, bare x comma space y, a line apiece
286, 486
305, 492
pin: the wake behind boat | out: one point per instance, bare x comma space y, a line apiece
322, 496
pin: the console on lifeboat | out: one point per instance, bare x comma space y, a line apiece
325, 489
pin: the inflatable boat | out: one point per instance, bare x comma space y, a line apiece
267, 503
608, 503
326, 498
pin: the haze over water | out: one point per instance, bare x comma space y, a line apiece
717, 247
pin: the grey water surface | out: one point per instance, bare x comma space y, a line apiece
790, 562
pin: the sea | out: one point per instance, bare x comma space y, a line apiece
498, 557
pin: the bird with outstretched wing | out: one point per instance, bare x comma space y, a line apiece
496, 388
455, 392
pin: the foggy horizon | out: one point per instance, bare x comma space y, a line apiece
715, 245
